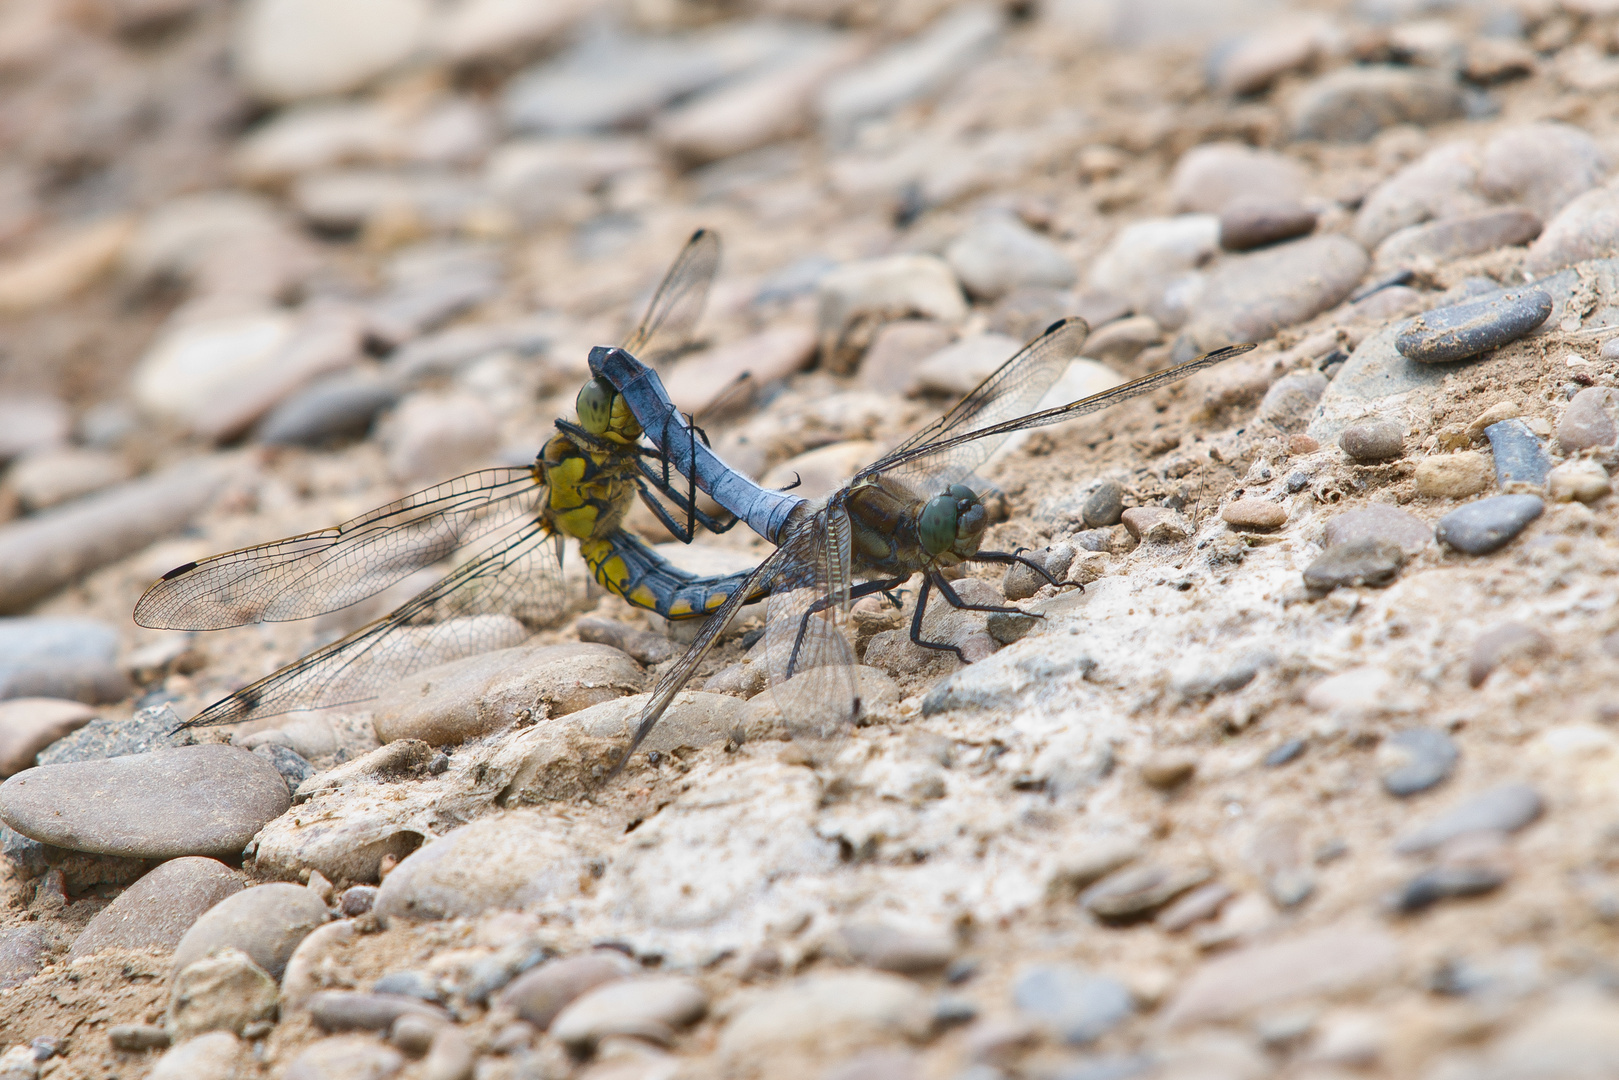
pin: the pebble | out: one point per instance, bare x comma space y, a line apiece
266, 922
642, 646
1590, 420
1213, 176
1453, 476
1444, 883
1104, 506
409, 983
428, 287
1501, 410
64, 544
1145, 256
190, 800
899, 347
1374, 440
31, 423
142, 733
495, 862
1291, 400
1250, 223
1364, 560
1168, 770
1571, 1036
1504, 809
882, 289
197, 363
30, 724
1026, 311
1254, 513
46, 478
1137, 893
824, 1014
1500, 644
1458, 236
335, 1011
1203, 902
1249, 297
288, 50
1587, 228
1122, 340
1487, 525
1543, 166
651, 1007
999, 253
479, 695
1415, 760
156, 911
1438, 184
1329, 961
1468, 329
540, 993
61, 264
891, 948
1020, 583
1352, 104
345, 1057
1578, 481
334, 409
1255, 61
1285, 752
1080, 1007
956, 369
1520, 458
137, 1038
1155, 525
357, 900
222, 991
23, 951
698, 381
214, 1055
292, 766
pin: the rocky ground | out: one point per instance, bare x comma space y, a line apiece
1315, 777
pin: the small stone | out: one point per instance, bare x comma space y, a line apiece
31, 423
1000, 253
1104, 506
1122, 340
265, 922
1168, 770
62, 264
1458, 236
1379, 521
1136, 894
1147, 255
450, 1056
643, 646
1352, 104
156, 911
539, 994
1356, 691
336, 1011
23, 951
1251, 296
412, 1035
1156, 525
1256, 514
1489, 524
1503, 809
345, 1057
1300, 445
1468, 329
890, 948
959, 367
1284, 753
293, 766
1203, 902
1578, 481
48, 477
1376, 440
1415, 760
1438, 184
433, 435
858, 295
1089, 865
1501, 410
1257, 60
1020, 582
215, 1055
1078, 1006
1291, 400
1502, 643
1587, 228
409, 983
898, 349
494, 862
190, 800
1027, 310
1453, 476
653, 1007
294, 49
1544, 166
1212, 176
1445, 883
223, 991
1589, 421
826, 1016
1006, 627
1251, 223
1521, 461
30, 724
137, 1038
334, 409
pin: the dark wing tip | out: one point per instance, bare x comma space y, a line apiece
183, 568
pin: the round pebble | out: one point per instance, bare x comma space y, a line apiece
357, 900
818, 1013
1543, 166
1366, 560
189, 800
1379, 521
1291, 400
1212, 176
335, 409
1590, 420
137, 1038
539, 994
1252, 223
1376, 440
1578, 481
1415, 760
1155, 525
1489, 524
215, 1055
890, 948
1453, 476
1138, 893
1020, 582
157, 910
1503, 809
266, 922
223, 991
1463, 330
1284, 753
345, 1057
1587, 228
293, 49
495, 862
653, 1006
1257, 514
1352, 104
1104, 507
1168, 770
1249, 297
1000, 253
30, 724
1079, 1006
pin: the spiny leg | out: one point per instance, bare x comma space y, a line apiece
954, 599
865, 588
916, 621
1007, 558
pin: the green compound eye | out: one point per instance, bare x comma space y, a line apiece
937, 527
595, 406
963, 493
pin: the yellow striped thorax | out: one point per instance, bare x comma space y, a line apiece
604, 412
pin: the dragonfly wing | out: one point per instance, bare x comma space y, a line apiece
314, 573
493, 601
672, 315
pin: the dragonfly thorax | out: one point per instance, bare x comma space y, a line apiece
953, 522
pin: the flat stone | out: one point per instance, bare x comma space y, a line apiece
334, 409
223, 991
1027, 310
61, 263
898, 347
1145, 256
1489, 524
1364, 560
1020, 582
1080, 1007
890, 948
266, 922
1251, 223
653, 1006
1291, 400
1203, 902
1138, 893
1453, 476
1589, 421
831, 1014
1587, 228
1502, 643
214, 1055
957, 368
1254, 513
504, 861
1543, 166
999, 253
1104, 506
1122, 340
1458, 236
30, 724
345, 1057
293, 766
1255, 61
30, 422
1578, 481
357, 900
1464, 330
698, 381
1445, 883
1155, 525
156, 911
190, 800
1211, 177
1503, 809
294, 49
1521, 460
1375, 440
1284, 753
540, 993
137, 1038
859, 294
48, 477
1250, 297
1168, 770
335, 1011
1415, 760
1438, 184
1353, 104
146, 731
642, 646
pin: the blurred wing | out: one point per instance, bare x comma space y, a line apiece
314, 573
1012, 391
492, 602
672, 315
934, 466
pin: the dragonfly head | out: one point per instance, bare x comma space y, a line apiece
603, 412
954, 520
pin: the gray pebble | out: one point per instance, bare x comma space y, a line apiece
1027, 310
539, 995
1489, 524
1104, 507
292, 766
1376, 440
1503, 809
345, 1057
889, 948
137, 1038
651, 1007
1459, 235
1079, 1006
1250, 224
1363, 561
66, 658
1248, 297
147, 730
409, 983
23, 950
1021, 582
222, 991
1463, 330
1589, 420
999, 253
1285, 753
1416, 759
493, 973
1006, 628
334, 409
1290, 887
1139, 892
1291, 400
266, 922
1352, 104
1519, 456
156, 911
357, 900
349, 1010
1445, 883
1297, 481
643, 646
1094, 540
1379, 521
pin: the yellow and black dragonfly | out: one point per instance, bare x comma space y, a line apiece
503, 528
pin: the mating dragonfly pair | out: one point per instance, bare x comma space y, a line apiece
913, 512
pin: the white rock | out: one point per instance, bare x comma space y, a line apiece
289, 50
1358, 690
630, 1007
829, 1015
191, 364
1147, 255
505, 861
1000, 253
542, 179
1580, 480
319, 135
473, 30
958, 367
31, 423
218, 243
214, 1056
1210, 177
49, 477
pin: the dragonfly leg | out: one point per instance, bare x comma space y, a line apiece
916, 619
865, 588
954, 599
687, 506
1017, 557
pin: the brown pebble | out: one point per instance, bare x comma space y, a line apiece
1248, 224
1299, 445
1155, 524
1376, 440
1253, 514
1500, 644
1168, 770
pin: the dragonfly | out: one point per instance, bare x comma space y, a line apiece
505, 525
912, 512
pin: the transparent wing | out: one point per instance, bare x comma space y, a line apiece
672, 315
317, 572
493, 601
